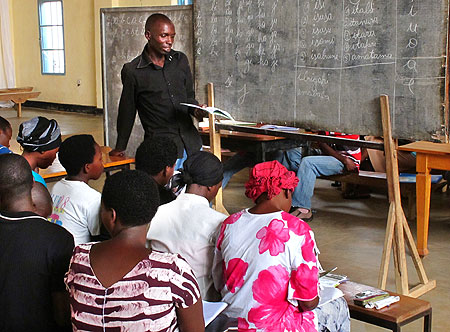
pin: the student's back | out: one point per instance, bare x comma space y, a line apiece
76, 206
34, 255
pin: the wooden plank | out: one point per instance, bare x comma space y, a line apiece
24, 89
18, 97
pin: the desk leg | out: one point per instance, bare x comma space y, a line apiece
423, 193
427, 323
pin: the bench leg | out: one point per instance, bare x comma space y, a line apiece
427, 323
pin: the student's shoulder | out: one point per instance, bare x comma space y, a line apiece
172, 261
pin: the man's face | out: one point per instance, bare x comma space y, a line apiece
5, 137
161, 37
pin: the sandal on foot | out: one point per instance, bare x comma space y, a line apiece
301, 214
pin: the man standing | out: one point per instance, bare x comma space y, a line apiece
154, 84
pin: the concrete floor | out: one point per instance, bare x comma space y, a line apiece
349, 233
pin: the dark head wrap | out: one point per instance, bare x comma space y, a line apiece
269, 177
202, 168
39, 134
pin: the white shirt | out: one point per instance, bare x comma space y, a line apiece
189, 227
76, 207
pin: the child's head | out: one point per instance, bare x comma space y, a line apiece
79, 154
16, 180
42, 200
5, 132
203, 169
268, 179
157, 155
132, 195
41, 138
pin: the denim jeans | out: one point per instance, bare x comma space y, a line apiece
308, 169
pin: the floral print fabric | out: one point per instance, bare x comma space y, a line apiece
264, 264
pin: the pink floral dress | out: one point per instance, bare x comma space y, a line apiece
264, 264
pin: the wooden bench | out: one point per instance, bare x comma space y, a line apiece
378, 179
407, 310
18, 96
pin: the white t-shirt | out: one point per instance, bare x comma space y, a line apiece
189, 227
76, 207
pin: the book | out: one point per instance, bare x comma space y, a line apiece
328, 294
332, 280
370, 296
211, 110
212, 309
276, 127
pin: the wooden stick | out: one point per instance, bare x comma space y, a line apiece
214, 142
382, 277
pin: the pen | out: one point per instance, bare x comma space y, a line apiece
324, 273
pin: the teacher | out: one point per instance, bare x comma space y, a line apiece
154, 84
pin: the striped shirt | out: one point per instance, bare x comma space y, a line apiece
145, 299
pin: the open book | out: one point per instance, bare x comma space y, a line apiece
211, 310
212, 110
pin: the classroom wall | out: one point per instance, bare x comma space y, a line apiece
82, 49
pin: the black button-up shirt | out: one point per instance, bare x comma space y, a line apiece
156, 93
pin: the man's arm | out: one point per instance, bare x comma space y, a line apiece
349, 164
127, 112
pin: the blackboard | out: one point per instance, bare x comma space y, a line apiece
122, 33
322, 64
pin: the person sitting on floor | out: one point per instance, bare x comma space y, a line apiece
42, 200
119, 284
334, 159
5, 135
265, 262
188, 225
156, 157
76, 206
40, 139
34, 256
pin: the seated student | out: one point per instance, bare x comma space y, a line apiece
5, 135
334, 159
265, 262
119, 284
42, 201
40, 139
188, 225
156, 157
34, 256
76, 206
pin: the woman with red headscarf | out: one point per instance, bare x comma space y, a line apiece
265, 263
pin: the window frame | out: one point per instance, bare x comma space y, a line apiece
40, 2
183, 2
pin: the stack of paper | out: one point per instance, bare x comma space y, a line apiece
332, 280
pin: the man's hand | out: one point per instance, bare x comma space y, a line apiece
117, 153
350, 165
200, 114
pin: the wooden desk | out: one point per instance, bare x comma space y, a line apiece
56, 171
408, 309
429, 156
256, 143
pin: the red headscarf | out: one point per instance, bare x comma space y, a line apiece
269, 177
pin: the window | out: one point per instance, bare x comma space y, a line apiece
185, 2
51, 34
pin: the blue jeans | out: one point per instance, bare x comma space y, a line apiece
233, 165
180, 161
308, 169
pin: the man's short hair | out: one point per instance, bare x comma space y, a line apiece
133, 195
75, 152
152, 19
16, 178
154, 154
4, 124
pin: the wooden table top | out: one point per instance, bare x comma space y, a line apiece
397, 312
426, 147
244, 136
56, 169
